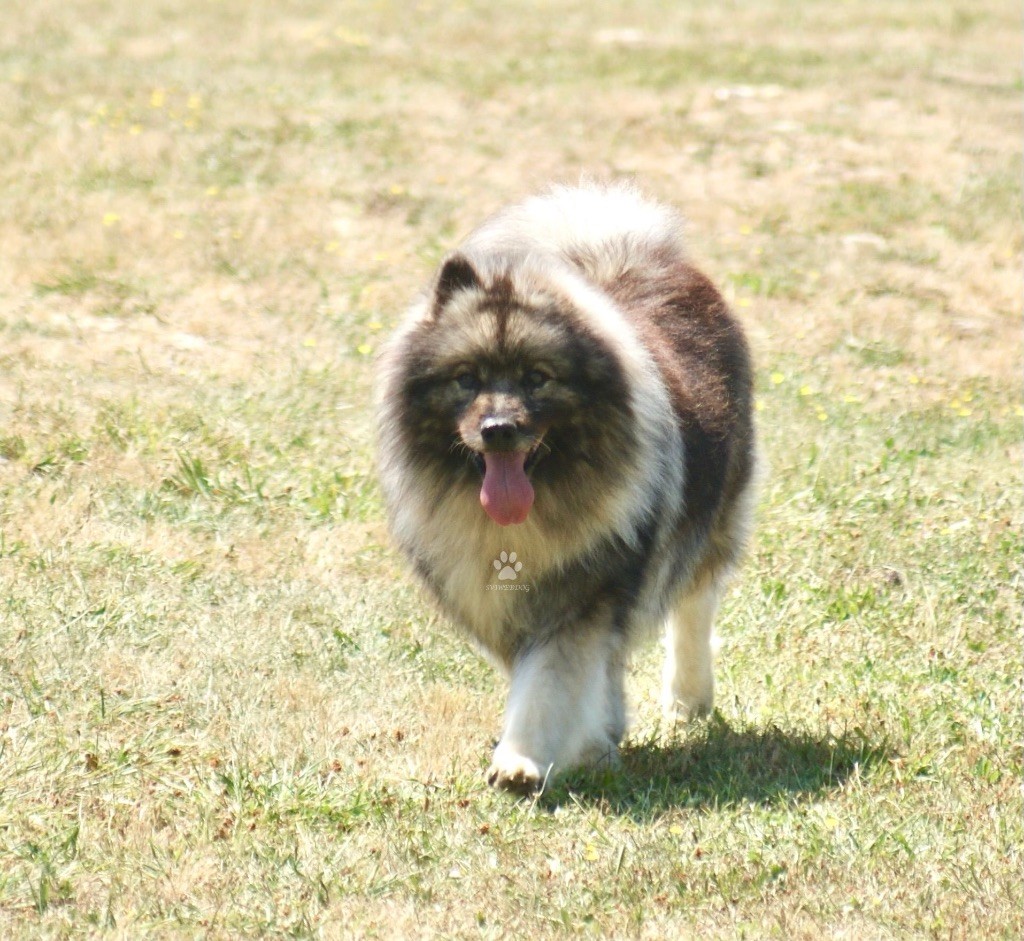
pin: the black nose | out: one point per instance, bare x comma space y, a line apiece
499, 433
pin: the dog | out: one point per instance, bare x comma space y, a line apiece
567, 457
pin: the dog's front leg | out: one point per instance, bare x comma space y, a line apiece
565, 708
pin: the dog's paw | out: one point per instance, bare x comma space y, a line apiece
601, 755
683, 708
513, 772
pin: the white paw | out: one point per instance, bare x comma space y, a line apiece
600, 755
514, 772
683, 707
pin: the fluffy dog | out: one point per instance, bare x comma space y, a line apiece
567, 455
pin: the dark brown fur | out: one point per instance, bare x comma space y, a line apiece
703, 357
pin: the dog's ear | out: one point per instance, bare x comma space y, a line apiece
457, 274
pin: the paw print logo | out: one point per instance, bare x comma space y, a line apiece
507, 566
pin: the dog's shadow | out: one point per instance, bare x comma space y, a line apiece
716, 765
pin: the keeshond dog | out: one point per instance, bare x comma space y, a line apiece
567, 454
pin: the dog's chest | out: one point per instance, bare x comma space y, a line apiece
488, 581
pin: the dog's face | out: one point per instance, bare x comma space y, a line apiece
506, 391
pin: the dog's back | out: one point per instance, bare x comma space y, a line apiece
601, 230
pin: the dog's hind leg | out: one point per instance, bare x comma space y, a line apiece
689, 690
565, 708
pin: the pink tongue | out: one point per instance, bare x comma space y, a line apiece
507, 494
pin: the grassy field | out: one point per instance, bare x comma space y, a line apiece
226, 711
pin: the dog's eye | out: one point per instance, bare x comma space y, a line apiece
465, 379
535, 378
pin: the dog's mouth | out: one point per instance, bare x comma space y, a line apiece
506, 493
533, 458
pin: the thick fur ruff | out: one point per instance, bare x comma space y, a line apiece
573, 392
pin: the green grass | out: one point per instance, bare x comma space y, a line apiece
225, 709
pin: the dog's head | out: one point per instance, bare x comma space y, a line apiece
506, 389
